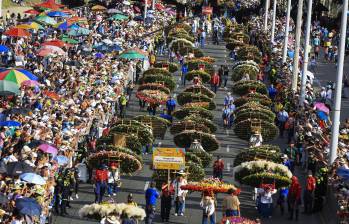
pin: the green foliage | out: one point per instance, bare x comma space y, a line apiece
156, 71
183, 125
202, 120
173, 67
187, 111
200, 89
191, 157
257, 153
240, 71
168, 81
243, 129
257, 97
204, 76
196, 172
194, 65
132, 142
154, 86
144, 133
184, 98
256, 179
245, 86
185, 138
249, 52
266, 115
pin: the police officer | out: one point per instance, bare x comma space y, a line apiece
57, 190
65, 192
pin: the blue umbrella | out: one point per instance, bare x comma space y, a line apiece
63, 26
74, 26
3, 48
101, 47
115, 47
10, 124
99, 55
57, 14
33, 178
28, 206
343, 173
61, 160
322, 115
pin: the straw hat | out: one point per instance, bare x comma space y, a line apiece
112, 220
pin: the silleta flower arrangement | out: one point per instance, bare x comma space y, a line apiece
255, 173
209, 185
152, 96
98, 211
200, 89
187, 111
157, 71
237, 220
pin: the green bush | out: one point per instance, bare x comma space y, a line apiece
191, 157
183, 125
144, 133
243, 129
251, 154
257, 97
132, 142
249, 52
253, 105
202, 120
156, 71
173, 67
254, 115
185, 138
168, 81
185, 98
201, 112
204, 76
196, 172
240, 71
245, 86
194, 65
200, 89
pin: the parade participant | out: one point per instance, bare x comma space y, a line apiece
272, 92
130, 200
180, 194
256, 139
309, 193
167, 191
282, 117
184, 70
170, 105
282, 199
231, 204
225, 75
294, 198
228, 99
226, 116
122, 104
101, 180
208, 210
215, 81
265, 205
151, 196
218, 168
291, 152
113, 179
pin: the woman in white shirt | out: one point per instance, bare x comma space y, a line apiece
265, 206
113, 180
208, 210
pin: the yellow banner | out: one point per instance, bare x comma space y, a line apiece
169, 159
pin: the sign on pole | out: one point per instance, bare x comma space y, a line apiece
169, 159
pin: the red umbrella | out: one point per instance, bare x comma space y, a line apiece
32, 11
17, 32
57, 43
137, 9
51, 95
50, 4
159, 7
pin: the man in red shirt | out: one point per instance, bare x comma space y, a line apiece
101, 180
218, 168
215, 80
309, 193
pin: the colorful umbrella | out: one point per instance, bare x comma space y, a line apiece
159, 7
45, 19
32, 11
57, 14
118, 17
33, 178
132, 55
31, 83
76, 19
17, 32
62, 26
28, 26
50, 4
4, 48
50, 50
28, 206
56, 42
98, 8
99, 55
79, 32
61, 160
322, 107
17, 75
10, 124
18, 110
52, 95
74, 27
70, 40
8, 88
48, 149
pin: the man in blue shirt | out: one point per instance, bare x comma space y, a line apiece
272, 92
151, 196
184, 72
171, 105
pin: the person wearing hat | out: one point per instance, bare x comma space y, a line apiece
265, 205
113, 179
101, 180
110, 219
180, 194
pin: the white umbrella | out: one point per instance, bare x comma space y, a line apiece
126, 3
107, 41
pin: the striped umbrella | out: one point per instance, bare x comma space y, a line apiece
17, 75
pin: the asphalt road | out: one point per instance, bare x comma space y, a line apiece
230, 145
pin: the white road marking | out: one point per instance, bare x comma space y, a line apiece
146, 185
227, 131
228, 167
228, 148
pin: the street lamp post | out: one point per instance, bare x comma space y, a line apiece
273, 24
306, 53
338, 91
287, 30
297, 46
266, 15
